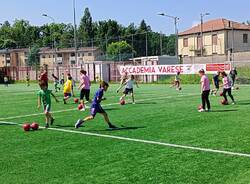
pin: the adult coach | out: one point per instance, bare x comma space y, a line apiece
84, 87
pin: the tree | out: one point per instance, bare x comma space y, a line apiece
86, 28
33, 57
120, 51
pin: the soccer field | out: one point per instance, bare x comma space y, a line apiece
162, 139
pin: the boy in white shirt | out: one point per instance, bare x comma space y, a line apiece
129, 88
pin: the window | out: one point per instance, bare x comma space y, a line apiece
89, 54
73, 62
245, 38
43, 56
185, 42
72, 54
214, 39
59, 55
79, 54
49, 55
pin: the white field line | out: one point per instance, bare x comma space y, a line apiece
105, 105
146, 141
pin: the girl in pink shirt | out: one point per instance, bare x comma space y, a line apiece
227, 87
205, 91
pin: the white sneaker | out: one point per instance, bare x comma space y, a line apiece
233, 103
133, 103
208, 110
201, 110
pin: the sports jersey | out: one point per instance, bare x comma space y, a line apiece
98, 96
226, 83
205, 82
45, 96
130, 84
67, 86
85, 80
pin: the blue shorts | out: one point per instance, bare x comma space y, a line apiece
96, 109
127, 91
46, 108
67, 94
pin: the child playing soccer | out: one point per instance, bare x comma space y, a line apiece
205, 90
84, 87
6, 81
56, 82
97, 108
177, 81
28, 79
44, 98
227, 87
67, 89
216, 83
124, 78
129, 88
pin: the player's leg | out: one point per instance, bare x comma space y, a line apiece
106, 118
230, 95
82, 94
203, 99
120, 86
87, 93
224, 94
207, 100
133, 97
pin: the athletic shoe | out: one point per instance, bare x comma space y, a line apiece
201, 110
133, 103
64, 101
52, 121
208, 110
78, 123
47, 125
233, 103
112, 126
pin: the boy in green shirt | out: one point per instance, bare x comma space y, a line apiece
44, 98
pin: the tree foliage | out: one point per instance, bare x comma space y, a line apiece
141, 39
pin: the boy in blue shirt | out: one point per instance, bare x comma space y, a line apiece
97, 108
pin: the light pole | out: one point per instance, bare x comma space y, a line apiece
176, 31
75, 27
202, 17
54, 39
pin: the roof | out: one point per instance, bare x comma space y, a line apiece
216, 25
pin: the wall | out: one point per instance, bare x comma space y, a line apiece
209, 49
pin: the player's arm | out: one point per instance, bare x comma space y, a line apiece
136, 83
39, 102
54, 96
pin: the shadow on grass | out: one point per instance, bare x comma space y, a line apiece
243, 103
5, 124
64, 126
142, 103
111, 109
118, 129
225, 110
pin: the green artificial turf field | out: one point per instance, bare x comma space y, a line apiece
161, 115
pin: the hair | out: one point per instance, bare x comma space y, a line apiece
132, 77
69, 77
224, 73
202, 71
104, 84
178, 73
42, 84
83, 72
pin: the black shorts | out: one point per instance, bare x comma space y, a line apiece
217, 86
84, 93
127, 91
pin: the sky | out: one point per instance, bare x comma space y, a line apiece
127, 11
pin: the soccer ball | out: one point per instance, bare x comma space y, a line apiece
180, 88
221, 94
80, 107
26, 127
122, 102
34, 126
200, 107
224, 102
76, 100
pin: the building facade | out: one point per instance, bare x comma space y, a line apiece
220, 37
66, 56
